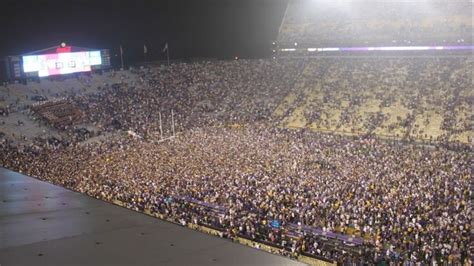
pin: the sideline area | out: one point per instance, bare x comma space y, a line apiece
44, 224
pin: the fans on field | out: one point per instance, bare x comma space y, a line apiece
234, 169
409, 204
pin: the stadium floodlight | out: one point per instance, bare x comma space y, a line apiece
312, 49
329, 49
296, 44
404, 48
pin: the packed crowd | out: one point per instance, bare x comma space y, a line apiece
410, 204
380, 23
413, 98
425, 98
233, 169
203, 93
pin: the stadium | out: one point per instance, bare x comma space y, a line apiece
349, 144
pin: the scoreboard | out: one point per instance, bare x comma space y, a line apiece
105, 57
53, 61
45, 65
13, 67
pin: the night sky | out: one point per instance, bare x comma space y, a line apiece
193, 28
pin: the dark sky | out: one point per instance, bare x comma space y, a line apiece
193, 28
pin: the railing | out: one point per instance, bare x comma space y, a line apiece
291, 230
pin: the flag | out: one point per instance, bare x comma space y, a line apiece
165, 48
145, 50
121, 50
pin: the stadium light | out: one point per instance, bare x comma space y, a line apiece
328, 49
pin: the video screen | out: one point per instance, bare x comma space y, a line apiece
61, 63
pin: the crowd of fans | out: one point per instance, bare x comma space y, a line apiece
416, 98
410, 204
380, 23
232, 168
403, 98
203, 93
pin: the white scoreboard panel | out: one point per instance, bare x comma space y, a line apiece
61, 63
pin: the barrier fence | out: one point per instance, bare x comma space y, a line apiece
307, 258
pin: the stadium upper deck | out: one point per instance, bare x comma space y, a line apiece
309, 23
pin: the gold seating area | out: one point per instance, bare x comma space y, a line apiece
426, 99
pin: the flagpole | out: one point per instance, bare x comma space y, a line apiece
161, 127
172, 121
121, 56
167, 52
145, 52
